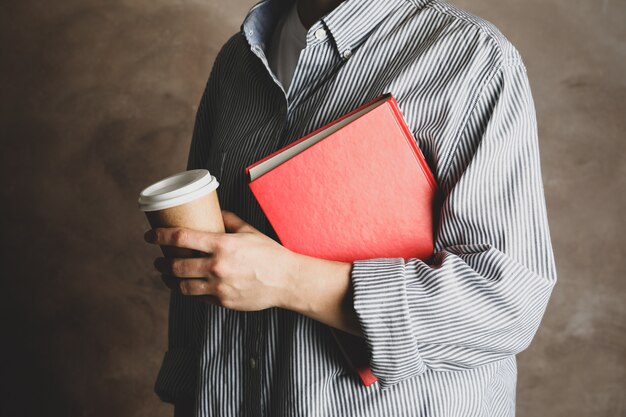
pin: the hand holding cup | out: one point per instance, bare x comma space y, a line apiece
243, 269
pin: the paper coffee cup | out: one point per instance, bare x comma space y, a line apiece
186, 199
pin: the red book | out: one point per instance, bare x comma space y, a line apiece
356, 188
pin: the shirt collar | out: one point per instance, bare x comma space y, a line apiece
349, 23
260, 19
352, 21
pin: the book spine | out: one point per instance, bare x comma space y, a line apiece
388, 96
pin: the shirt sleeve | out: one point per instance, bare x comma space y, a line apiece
176, 380
483, 294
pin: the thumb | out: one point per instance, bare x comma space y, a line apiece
235, 224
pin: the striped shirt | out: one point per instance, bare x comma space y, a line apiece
442, 336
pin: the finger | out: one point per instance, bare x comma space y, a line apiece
184, 267
235, 224
195, 287
174, 284
170, 282
184, 238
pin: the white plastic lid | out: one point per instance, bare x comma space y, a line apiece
177, 189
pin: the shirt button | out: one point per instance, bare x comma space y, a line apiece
347, 53
252, 363
320, 34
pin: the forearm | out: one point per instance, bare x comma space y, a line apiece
321, 289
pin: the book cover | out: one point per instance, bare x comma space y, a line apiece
356, 188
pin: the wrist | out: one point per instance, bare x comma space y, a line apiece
291, 294
316, 287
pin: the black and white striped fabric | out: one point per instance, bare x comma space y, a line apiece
442, 336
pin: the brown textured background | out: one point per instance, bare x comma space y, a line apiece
98, 99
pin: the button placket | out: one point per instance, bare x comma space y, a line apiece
308, 65
253, 379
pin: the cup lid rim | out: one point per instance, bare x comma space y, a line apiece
165, 193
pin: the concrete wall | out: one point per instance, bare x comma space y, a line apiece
98, 98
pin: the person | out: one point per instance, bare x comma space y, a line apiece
249, 323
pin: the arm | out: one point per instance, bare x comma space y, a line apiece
484, 294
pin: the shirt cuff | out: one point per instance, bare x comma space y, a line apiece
176, 380
380, 302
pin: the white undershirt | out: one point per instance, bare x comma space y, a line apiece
288, 39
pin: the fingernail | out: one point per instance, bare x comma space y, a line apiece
158, 263
149, 236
